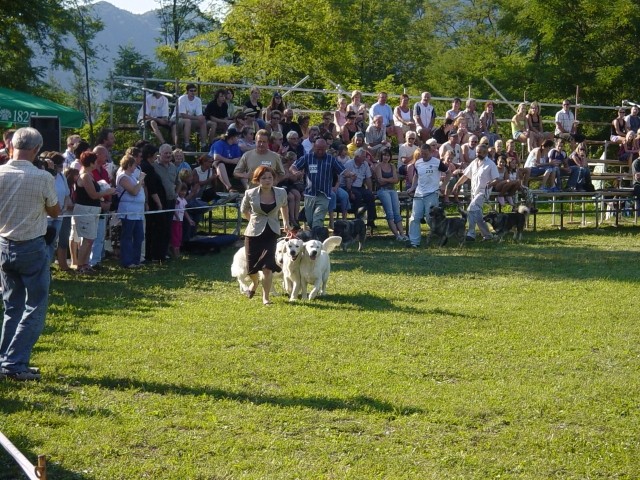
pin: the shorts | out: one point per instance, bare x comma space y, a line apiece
84, 223
517, 133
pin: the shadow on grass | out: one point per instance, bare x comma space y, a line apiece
361, 301
578, 254
549, 255
358, 403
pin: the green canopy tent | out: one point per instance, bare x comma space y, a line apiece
16, 108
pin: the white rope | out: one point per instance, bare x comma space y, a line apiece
149, 212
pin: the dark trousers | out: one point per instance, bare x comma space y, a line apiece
364, 197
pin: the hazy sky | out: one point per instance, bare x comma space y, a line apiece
135, 6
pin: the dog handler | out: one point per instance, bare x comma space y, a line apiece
425, 188
319, 169
27, 196
483, 174
260, 205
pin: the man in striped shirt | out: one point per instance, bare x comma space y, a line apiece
321, 172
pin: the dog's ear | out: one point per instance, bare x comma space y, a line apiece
331, 243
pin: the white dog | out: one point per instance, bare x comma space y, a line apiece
315, 266
239, 270
292, 254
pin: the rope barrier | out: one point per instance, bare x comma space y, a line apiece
149, 212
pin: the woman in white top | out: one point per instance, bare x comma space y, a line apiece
402, 115
130, 212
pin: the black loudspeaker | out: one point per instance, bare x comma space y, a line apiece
49, 128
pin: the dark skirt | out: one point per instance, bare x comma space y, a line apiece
261, 251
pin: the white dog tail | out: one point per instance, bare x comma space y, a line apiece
331, 243
238, 266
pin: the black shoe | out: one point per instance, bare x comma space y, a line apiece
469, 238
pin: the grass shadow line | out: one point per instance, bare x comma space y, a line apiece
361, 403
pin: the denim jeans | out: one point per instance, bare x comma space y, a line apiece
364, 197
131, 238
390, 204
97, 249
24, 271
51, 248
339, 197
573, 175
421, 208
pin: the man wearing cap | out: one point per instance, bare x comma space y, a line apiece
259, 156
27, 196
155, 112
226, 154
189, 115
424, 115
217, 114
321, 172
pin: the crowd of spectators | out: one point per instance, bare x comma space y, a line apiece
352, 156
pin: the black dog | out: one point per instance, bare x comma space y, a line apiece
350, 231
447, 228
316, 233
505, 222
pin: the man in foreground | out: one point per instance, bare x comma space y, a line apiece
27, 196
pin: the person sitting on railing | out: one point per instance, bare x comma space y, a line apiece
226, 154
578, 158
633, 120
630, 148
359, 185
155, 112
558, 157
619, 127
387, 177
538, 164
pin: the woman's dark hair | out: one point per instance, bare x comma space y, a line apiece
103, 135
82, 147
148, 151
87, 158
273, 106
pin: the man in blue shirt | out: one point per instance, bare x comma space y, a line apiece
321, 172
226, 154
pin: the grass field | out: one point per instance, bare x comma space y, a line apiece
497, 360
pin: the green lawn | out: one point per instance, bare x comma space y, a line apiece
497, 360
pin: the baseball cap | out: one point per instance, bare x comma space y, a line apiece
232, 132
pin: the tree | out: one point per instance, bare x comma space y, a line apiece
180, 20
